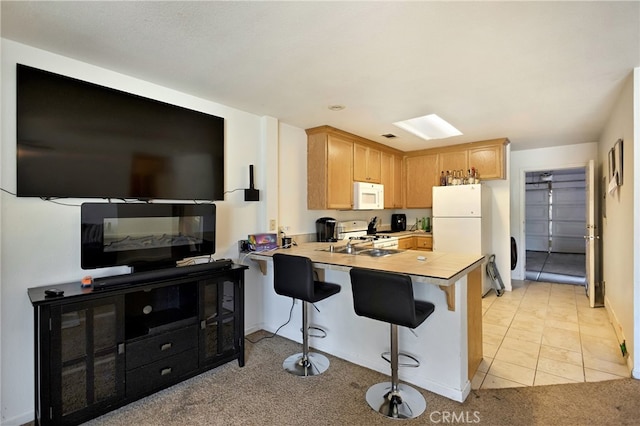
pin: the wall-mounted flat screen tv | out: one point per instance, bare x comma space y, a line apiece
82, 140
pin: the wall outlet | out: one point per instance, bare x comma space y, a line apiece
272, 225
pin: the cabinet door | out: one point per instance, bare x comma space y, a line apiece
407, 243
421, 176
424, 242
391, 178
87, 357
453, 160
366, 164
220, 334
488, 161
339, 173
397, 182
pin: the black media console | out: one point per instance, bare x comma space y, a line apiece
97, 349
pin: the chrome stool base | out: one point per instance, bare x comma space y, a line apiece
405, 403
315, 364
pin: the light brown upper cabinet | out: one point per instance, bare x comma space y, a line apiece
453, 160
391, 178
366, 164
421, 175
335, 159
488, 159
486, 156
329, 172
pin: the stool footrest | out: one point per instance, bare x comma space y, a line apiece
322, 332
387, 357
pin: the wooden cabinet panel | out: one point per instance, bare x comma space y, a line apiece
488, 161
406, 243
329, 172
421, 176
424, 242
339, 173
336, 158
366, 163
391, 178
453, 160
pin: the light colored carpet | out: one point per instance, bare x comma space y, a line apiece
261, 393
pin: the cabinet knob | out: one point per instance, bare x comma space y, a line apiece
165, 371
165, 346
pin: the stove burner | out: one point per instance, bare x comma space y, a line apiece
369, 237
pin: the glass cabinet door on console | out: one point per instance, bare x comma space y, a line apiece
220, 334
87, 370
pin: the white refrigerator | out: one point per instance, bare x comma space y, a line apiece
462, 222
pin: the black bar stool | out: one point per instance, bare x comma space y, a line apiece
388, 297
293, 277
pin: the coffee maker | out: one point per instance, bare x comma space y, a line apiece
326, 229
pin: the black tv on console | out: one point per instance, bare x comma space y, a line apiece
81, 140
145, 236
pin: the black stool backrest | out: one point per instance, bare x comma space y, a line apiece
293, 276
384, 296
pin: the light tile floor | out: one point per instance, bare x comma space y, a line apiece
543, 333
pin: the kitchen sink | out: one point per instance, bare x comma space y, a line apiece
379, 252
343, 250
365, 251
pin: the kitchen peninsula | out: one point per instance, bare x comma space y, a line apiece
448, 344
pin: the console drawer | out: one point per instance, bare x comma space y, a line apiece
154, 348
160, 373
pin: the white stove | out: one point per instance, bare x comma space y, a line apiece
357, 230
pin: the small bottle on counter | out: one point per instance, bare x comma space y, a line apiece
449, 178
443, 179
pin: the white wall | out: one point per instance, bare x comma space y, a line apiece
620, 241
501, 238
560, 157
39, 241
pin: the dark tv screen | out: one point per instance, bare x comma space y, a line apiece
82, 140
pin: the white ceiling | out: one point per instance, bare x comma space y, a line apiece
539, 73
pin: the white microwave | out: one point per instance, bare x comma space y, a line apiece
368, 196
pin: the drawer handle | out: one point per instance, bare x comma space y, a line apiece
166, 346
165, 371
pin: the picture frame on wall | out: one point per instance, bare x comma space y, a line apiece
618, 160
612, 165
603, 191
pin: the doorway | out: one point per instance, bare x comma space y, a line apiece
555, 222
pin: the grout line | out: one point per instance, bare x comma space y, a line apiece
526, 288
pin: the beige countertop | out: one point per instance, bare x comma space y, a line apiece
404, 234
437, 268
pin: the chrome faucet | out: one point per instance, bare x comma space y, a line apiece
349, 247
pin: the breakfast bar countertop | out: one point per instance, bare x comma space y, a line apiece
451, 341
438, 268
